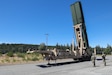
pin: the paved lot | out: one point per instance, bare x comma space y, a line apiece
81, 68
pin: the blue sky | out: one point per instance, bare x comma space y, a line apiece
27, 21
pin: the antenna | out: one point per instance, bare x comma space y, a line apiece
46, 40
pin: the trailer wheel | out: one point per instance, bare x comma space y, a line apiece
75, 59
86, 58
80, 59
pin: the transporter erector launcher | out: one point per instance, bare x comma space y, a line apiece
80, 31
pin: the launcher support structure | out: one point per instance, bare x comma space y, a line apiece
80, 31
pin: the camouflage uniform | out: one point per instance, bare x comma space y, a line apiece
103, 58
93, 58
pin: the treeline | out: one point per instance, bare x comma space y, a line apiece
100, 50
5, 48
107, 50
22, 48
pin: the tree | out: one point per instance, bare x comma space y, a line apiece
91, 49
108, 50
98, 50
57, 46
10, 54
67, 46
42, 46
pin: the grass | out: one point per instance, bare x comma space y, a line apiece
14, 60
7, 60
20, 57
34, 58
2, 61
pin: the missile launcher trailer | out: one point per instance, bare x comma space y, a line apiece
82, 52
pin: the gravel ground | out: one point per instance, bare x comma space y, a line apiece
80, 68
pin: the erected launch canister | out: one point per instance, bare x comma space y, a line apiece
77, 14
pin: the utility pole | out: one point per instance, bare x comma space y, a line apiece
46, 40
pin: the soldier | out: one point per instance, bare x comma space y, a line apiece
104, 59
93, 58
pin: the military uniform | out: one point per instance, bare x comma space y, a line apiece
93, 58
104, 59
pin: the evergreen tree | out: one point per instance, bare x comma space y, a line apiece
108, 50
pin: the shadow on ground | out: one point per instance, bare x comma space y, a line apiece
99, 59
56, 64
